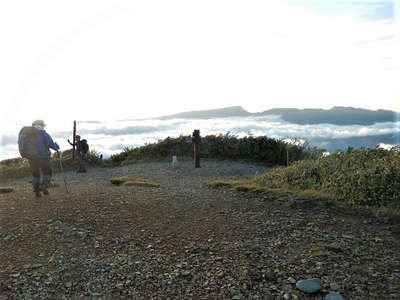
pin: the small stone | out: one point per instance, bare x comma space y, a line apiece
186, 274
237, 297
333, 296
334, 287
291, 280
287, 296
348, 236
309, 285
270, 276
68, 284
36, 266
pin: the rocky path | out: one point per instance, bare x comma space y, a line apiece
186, 241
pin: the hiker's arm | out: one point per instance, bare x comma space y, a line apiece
72, 144
50, 143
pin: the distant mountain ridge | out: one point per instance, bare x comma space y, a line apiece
338, 115
232, 111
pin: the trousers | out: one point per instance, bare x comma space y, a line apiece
81, 161
41, 173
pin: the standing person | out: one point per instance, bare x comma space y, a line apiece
34, 143
81, 148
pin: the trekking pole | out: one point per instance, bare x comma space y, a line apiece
62, 171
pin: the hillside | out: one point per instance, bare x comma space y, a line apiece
184, 240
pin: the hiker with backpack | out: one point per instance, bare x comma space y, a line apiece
81, 148
34, 144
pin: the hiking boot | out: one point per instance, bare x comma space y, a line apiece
45, 191
37, 194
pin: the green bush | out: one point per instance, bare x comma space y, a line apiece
362, 177
267, 150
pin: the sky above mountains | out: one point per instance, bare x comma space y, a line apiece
108, 60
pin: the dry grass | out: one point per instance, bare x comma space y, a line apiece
389, 214
224, 183
4, 190
247, 185
319, 250
326, 249
133, 181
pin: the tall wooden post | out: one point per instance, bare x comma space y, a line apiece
196, 147
73, 141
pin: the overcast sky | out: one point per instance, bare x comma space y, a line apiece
104, 60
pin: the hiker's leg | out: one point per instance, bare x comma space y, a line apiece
35, 170
78, 155
46, 170
81, 160
83, 163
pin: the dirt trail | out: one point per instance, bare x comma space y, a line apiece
185, 241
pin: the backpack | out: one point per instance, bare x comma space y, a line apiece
28, 141
85, 146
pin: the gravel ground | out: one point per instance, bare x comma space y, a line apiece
186, 241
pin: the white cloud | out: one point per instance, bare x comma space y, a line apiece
112, 137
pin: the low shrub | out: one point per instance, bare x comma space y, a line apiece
368, 177
223, 146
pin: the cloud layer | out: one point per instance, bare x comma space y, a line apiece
112, 137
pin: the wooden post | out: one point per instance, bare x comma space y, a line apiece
196, 147
73, 141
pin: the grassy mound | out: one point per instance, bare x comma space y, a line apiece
263, 149
132, 181
366, 177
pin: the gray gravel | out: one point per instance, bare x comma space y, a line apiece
184, 240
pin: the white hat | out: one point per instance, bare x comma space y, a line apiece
38, 122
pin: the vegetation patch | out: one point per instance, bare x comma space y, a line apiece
225, 183
251, 185
322, 250
363, 181
4, 190
367, 258
368, 177
331, 247
132, 181
269, 151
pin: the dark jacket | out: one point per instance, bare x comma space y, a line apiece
79, 147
